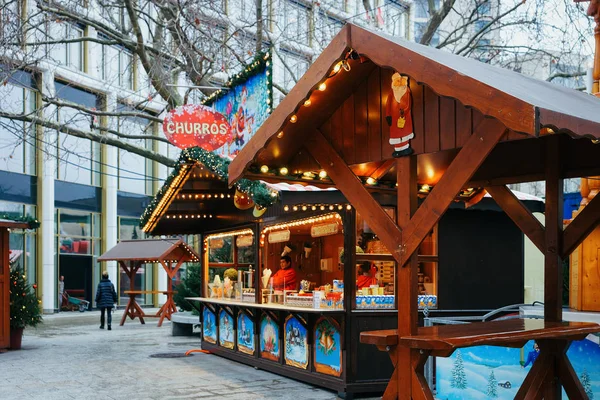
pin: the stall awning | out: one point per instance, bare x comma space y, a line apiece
150, 250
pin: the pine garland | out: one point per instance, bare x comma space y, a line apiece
16, 217
24, 305
261, 62
259, 192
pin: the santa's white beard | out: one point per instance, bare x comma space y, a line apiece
399, 91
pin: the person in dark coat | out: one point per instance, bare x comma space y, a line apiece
106, 296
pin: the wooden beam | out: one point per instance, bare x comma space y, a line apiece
520, 215
480, 144
349, 184
383, 169
581, 226
407, 278
553, 269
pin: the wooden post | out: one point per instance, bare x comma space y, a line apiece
406, 286
553, 276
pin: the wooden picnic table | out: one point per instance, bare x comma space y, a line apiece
553, 339
133, 309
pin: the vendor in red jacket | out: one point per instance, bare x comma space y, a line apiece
365, 276
285, 278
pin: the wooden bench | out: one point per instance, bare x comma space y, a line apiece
133, 309
553, 339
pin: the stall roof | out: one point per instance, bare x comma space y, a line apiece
150, 250
450, 95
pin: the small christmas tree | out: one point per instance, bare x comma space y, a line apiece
492, 389
459, 378
587, 385
189, 287
24, 305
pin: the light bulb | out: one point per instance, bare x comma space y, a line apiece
322, 87
307, 103
293, 119
280, 135
337, 67
283, 171
322, 174
264, 169
371, 181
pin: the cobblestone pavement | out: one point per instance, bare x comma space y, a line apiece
69, 357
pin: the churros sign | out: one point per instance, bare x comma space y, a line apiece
196, 125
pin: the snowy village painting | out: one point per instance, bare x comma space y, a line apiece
245, 334
245, 106
328, 349
269, 338
209, 327
296, 343
226, 330
488, 372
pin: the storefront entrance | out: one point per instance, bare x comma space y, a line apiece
78, 273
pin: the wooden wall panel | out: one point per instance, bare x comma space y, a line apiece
337, 138
374, 115
464, 126
326, 131
431, 120
418, 143
447, 123
348, 119
361, 139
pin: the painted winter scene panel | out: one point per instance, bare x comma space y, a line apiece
226, 334
296, 343
328, 351
245, 334
209, 327
269, 338
246, 107
488, 372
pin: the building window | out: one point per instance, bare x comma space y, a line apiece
328, 27
22, 243
339, 5
11, 23
484, 8
297, 65
573, 82
17, 138
69, 54
135, 170
421, 8
420, 30
78, 159
395, 18
296, 22
117, 67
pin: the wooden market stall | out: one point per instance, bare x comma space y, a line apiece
133, 254
455, 125
5, 226
315, 224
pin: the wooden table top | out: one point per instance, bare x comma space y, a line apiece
510, 332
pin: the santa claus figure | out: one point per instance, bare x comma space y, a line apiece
398, 116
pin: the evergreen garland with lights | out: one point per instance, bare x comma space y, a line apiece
258, 191
16, 217
261, 62
24, 305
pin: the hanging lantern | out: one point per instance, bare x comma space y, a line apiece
242, 201
258, 211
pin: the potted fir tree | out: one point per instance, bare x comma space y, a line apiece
24, 307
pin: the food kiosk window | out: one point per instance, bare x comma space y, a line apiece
300, 262
231, 262
376, 269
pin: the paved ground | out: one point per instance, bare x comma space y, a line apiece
69, 357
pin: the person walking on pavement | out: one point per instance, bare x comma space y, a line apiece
61, 291
106, 296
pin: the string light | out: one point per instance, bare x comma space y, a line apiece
293, 119
322, 87
299, 222
280, 135
246, 231
307, 103
314, 207
283, 171
322, 174
264, 169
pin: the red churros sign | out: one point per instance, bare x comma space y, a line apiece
196, 125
